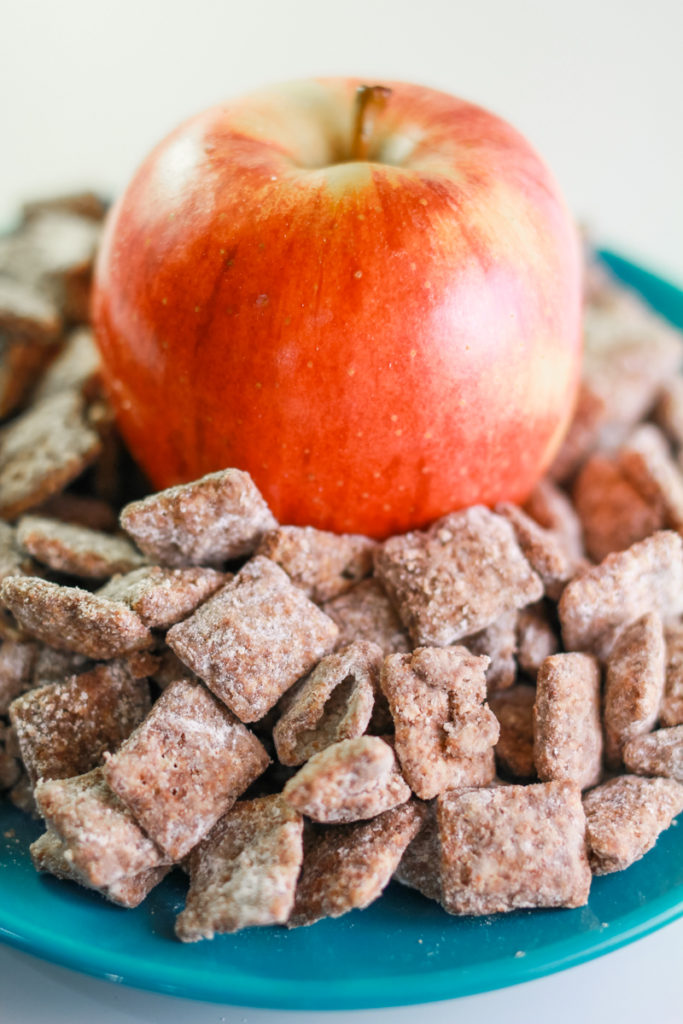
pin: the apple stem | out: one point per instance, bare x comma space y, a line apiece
370, 100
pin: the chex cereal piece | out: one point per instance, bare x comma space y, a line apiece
348, 781
184, 767
545, 552
162, 597
512, 847
323, 564
613, 514
645, 458
54, 251
567, 725
84, 204
102, 840
552, 509
499, 643
81, 510
76, 368
169, 669
634, 684
50, 855
206, 522
537, 637
42, 450
254, 639
10, 767
457, 577
13, 561
53, 666
76, 550
366, 613
625, 816
671, 708
244, 873
444, 732
347, 867
17, 661
582, 436
29, 326
657, 753
669, 410
514, 709
64, 728
599, 601
333, 703
72, 619
420, 865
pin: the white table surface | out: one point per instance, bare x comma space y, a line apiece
87, 88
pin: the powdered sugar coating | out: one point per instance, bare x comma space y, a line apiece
348, 781
162, 597
514, 709
64, 728
347, 867
17, 660
613, 514
552, 509
457, 577
366, 613
444, 732
537, 637
598, 602
333, 703
206, 522
72, 619
254, 639
658, 753
499, 643
13, 561
634, 684
567, 725
184, 766
42, 450
646, 460
544, 551
512, 847
244, 873
323, 564
420, 865
625, 816
49, 854
671, 708
76, 550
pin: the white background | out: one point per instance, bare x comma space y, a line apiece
597, 86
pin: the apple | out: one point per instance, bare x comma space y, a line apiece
367, 297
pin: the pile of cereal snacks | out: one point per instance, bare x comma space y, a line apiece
489, 711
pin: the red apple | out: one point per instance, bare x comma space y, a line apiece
373, 305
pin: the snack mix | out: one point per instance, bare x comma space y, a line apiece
489, 710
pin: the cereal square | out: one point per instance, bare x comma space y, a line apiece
49, 855
64, 728
646, 460
348, 781
658, 753
101, 839
671, 708
323, 564
366, 613
244, 873
72, 619
17, 661
613, 514
625, 816
634, 685
347, 867
76, 550
184, 767
254, 639
512, 847
598, 602
42, 450
537, 636
457, 577
567, 725
445, 733
420, 865
219, 517
75, 368
162, 597
552, 509
499, 643
514, 709
333, 703
545, 551
13, 561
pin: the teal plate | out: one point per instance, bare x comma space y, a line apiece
402, 950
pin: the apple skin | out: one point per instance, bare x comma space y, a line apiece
377, 342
